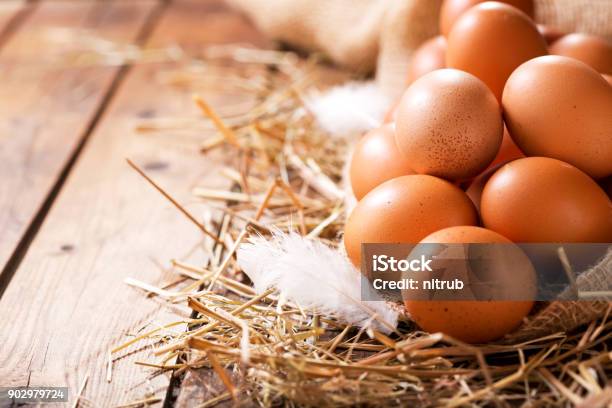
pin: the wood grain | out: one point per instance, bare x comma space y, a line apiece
67, 304
47, 104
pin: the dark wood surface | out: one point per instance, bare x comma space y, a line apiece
75, 220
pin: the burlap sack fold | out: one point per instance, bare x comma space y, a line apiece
365, 34
346, 31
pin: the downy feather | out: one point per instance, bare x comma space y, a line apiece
314, 276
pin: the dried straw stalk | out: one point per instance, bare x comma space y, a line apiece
287, 175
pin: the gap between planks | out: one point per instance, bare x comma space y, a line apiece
70, 308
7, 273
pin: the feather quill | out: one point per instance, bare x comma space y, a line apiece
314, 276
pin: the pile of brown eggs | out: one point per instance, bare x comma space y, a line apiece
499, 137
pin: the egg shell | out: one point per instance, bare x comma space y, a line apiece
491, 40
405, 210
376, 159
473, 321
550, 33
507, 151
391, 115
452, 9
476, 187
560, 107
593, 50
606, 184
449, 125
539, 199
431, 55
608, 78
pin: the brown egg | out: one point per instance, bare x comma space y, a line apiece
550, 33
592, 50
474, 191
477, 321
375, 160
391, 114
559, 107
431, 55
406, 209
452, 9
491, 40
606, 184
449, 125
538, 199
507, 151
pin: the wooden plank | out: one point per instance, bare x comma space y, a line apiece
47, 104
67, 304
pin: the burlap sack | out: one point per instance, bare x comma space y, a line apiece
366, 34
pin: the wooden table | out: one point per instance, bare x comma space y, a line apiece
75, 220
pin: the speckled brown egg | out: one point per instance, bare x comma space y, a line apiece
592, 50
539, 199
452, 9
449, 125
491, 40
431, 55
477, 321
560, 107
376, 159
406, 209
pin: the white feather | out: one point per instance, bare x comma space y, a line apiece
315, 276
353, 107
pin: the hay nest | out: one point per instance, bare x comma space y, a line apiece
287, 175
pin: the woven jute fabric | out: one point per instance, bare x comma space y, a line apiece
364, 35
